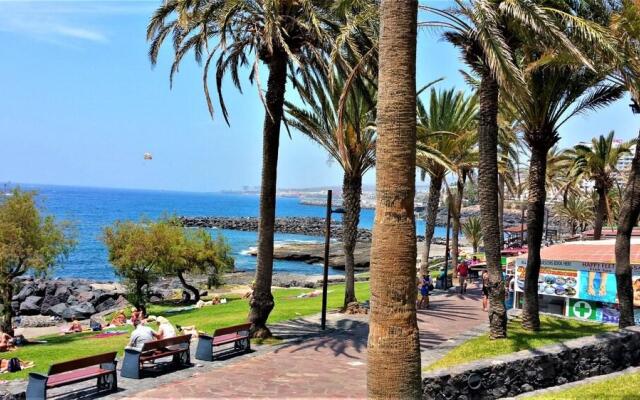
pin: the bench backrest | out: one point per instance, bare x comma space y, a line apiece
232, 329
162, 343
82, 363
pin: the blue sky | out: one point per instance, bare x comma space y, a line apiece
81, 105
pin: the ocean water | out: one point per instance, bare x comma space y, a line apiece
91, 209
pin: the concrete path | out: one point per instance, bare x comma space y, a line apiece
330, 365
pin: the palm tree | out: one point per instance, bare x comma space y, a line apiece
443, 134
625, 26
472, 230
350, 141
577, 212
629, 213
597, 162
464, 160
557, 93
281, 35
485, 31
393, 366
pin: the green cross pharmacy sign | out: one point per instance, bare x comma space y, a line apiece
583, 309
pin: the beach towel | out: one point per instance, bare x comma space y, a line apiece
108, 334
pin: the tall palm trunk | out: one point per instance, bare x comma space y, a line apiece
601, 211
261, 301
393, 367
629, 213
351, 191
435, 186
455, 221
501, 209
535, 227
6, 312
488, 195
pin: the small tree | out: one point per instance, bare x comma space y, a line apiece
472, 230
138, 252
208, 256
28, 243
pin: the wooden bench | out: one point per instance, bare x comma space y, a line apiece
238, 335
134, 358
101, 367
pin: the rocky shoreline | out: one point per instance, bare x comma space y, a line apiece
62, 299
313, 253
49, 302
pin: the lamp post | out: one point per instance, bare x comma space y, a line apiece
446, 251
546, 229
325, 272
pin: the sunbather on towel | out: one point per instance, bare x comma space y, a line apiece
6, 341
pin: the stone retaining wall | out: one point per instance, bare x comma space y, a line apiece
529, 370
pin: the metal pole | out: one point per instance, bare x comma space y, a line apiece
546, 230
327, 238
446, 252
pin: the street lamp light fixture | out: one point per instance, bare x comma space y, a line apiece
635, 108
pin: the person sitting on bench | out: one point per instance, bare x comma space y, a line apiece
141, 335
165, 329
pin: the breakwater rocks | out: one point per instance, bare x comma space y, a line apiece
313, 253
65, 299
310, 226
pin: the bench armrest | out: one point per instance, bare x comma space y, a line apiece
131, 363
110, 366
37, 386
37, 375
204, 349
133, 350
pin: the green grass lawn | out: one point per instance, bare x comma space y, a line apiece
621, 387
62, 348
553, 330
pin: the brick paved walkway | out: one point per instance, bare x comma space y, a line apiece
332, 365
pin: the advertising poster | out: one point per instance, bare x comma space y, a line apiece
554, 282
594, 282
598, 286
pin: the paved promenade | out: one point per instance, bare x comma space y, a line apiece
330, 365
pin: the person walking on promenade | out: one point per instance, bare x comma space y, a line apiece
485, 290
425, 288
462, 270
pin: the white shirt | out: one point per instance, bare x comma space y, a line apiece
166, 330
141, 335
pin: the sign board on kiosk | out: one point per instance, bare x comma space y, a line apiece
588, 288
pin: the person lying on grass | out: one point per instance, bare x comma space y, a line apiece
14, 365
119, 319
6, 341
75, 327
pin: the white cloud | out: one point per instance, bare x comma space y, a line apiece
80, 33
68, 23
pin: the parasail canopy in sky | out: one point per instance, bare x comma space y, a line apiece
148, 156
